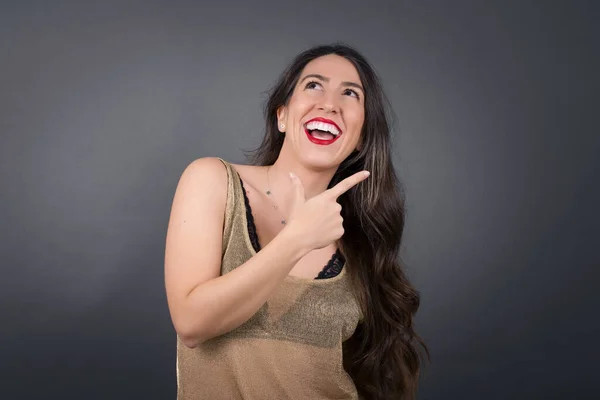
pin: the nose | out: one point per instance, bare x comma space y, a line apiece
328, 104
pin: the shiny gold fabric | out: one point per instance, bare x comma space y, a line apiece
290, 349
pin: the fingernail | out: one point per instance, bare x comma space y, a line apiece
367, 173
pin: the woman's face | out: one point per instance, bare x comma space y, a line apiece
324, 117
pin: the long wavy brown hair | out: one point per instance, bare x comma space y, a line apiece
384, 356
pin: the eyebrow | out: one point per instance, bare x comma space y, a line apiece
325, 79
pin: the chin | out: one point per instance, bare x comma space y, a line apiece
319, 161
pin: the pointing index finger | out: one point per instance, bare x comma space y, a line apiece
348, 183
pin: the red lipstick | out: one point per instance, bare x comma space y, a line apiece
322, 141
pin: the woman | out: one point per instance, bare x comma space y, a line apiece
282, 276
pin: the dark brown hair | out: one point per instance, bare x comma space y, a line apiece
382, 356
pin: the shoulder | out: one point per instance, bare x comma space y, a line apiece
206, 174
206, 168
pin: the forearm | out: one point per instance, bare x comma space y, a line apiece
224, 303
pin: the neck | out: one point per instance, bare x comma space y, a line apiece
313, 180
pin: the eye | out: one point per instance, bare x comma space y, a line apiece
312, 85
353, 93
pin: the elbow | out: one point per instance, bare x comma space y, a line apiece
193, 329
191, 338
189, 341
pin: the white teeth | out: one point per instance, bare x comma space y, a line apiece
322, 126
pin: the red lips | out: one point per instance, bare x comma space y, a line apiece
322, 141
328, 121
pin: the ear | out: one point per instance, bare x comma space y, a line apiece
281, 118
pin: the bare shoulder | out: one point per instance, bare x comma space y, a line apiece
205, 170
197, 216
200, 197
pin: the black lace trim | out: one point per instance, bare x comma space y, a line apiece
334, 266
250, 219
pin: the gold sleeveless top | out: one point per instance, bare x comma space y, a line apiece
290, 349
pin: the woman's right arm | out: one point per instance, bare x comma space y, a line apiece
203, 304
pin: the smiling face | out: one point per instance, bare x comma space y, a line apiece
324, 116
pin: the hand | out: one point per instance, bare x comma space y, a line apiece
317, 222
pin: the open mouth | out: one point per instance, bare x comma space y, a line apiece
322, 131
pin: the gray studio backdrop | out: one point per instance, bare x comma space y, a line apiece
102, 106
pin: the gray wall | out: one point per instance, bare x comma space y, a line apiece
102, 105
